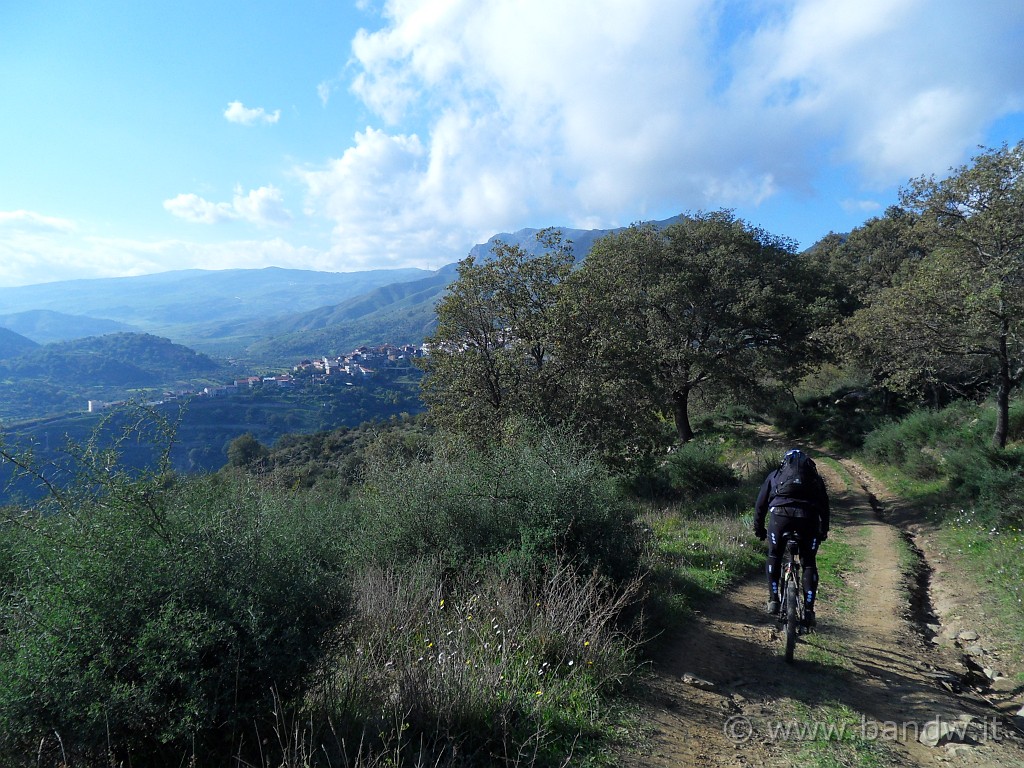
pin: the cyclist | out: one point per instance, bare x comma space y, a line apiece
794, 499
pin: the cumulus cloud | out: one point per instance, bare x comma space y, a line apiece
239, 113
263, 206
504, 113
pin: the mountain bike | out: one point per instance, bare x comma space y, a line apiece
791, 613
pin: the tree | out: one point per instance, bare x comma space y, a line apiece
870, 259
959, 312
491, 356
710, 302
246, 451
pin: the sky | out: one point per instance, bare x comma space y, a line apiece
140, 137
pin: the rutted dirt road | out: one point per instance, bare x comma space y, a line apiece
724, 696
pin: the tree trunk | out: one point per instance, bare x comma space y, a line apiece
1003, 391
681, 411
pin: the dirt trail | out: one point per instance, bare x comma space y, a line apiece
723, 694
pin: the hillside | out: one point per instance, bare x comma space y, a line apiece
13, 344
45, 326
155, 355
62, 377
400, 313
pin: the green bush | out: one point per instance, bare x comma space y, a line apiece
696, 468
920, 442
954, 444
521, 505
691, 470
157, 622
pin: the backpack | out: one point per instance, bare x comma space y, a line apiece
797, 477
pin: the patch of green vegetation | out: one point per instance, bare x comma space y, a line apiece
993, 559
706, 553
459, 602
832, 735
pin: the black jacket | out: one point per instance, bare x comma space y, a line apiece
817, 508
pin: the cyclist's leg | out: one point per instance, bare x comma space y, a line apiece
808, 556
778, 525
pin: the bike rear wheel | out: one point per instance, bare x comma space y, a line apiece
792, 619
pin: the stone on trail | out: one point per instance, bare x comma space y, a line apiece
938, 732
1005, 685
957, 750
698, 682
992, 674
967, 635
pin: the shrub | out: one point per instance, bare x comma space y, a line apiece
691, 470
520, 505
696, 468
919, 442
154, 622
954, 443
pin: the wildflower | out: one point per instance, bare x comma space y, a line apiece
540, 693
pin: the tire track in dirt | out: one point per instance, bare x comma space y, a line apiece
868, 655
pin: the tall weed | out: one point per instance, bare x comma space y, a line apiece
480, 673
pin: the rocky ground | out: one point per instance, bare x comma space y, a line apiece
899, 672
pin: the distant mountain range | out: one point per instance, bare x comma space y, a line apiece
44, 326
268, 315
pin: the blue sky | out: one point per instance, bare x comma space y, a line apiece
140, 137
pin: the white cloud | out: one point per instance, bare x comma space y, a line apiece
239, 113
193, 208
51, 256
864, 207
263, 206
323, 90
34, 222
500, 114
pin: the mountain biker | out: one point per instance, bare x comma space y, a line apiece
794, 499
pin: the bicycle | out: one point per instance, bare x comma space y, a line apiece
791, 612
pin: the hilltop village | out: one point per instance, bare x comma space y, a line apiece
362, 363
